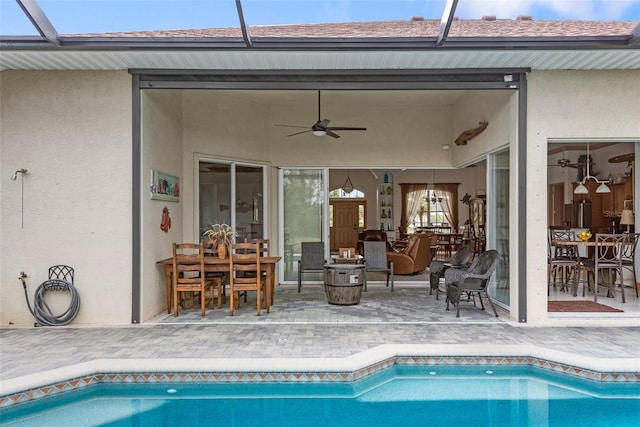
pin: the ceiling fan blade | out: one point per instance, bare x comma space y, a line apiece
294, 126
334, 135
622, 158
298, 133
344, 128
322, 124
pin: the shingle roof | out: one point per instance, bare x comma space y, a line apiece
479, 28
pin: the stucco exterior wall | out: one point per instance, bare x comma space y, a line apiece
161, 151
475, 107
72, 131
568, 104
223, 127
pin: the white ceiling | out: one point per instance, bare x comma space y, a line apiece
353, 98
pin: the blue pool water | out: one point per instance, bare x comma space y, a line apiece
399, 396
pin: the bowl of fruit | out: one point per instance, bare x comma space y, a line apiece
584, 236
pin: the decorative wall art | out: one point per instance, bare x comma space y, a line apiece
165, 224
164, 187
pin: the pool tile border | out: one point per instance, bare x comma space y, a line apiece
312, 376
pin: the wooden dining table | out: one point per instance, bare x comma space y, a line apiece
215, 264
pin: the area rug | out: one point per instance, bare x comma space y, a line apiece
579, 306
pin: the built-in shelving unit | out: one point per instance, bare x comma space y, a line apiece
385, 204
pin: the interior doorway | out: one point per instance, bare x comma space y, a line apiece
346, 220
555, 204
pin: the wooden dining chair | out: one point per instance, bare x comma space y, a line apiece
264, 252
218, 277
189, 274
245, 258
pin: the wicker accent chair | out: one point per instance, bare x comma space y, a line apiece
473, 280
437, 268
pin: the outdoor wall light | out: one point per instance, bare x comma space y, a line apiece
15, 174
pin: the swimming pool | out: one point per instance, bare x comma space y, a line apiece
406, 395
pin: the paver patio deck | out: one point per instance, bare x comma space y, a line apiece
304, 326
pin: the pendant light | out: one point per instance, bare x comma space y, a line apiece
582, 189
347, 187
434, 199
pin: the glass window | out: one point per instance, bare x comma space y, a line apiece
339, 194
215, 194
431, 212
232, 193
249, 222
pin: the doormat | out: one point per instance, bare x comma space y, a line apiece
579, 306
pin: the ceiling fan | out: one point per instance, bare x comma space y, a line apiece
564, 162
321, 127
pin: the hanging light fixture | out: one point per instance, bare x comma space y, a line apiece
347, 187
434, 199
582, 189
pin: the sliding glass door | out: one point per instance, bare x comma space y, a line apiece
303, 215
498, 218
232, 193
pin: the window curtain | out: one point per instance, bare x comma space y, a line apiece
449, 195
412, 195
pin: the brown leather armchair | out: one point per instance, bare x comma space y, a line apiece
416, 256
371, 235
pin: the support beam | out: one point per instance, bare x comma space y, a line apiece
243, 26
136, 201
635, 36
39, 19
446, 20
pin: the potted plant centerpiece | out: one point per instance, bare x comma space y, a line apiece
220, 236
